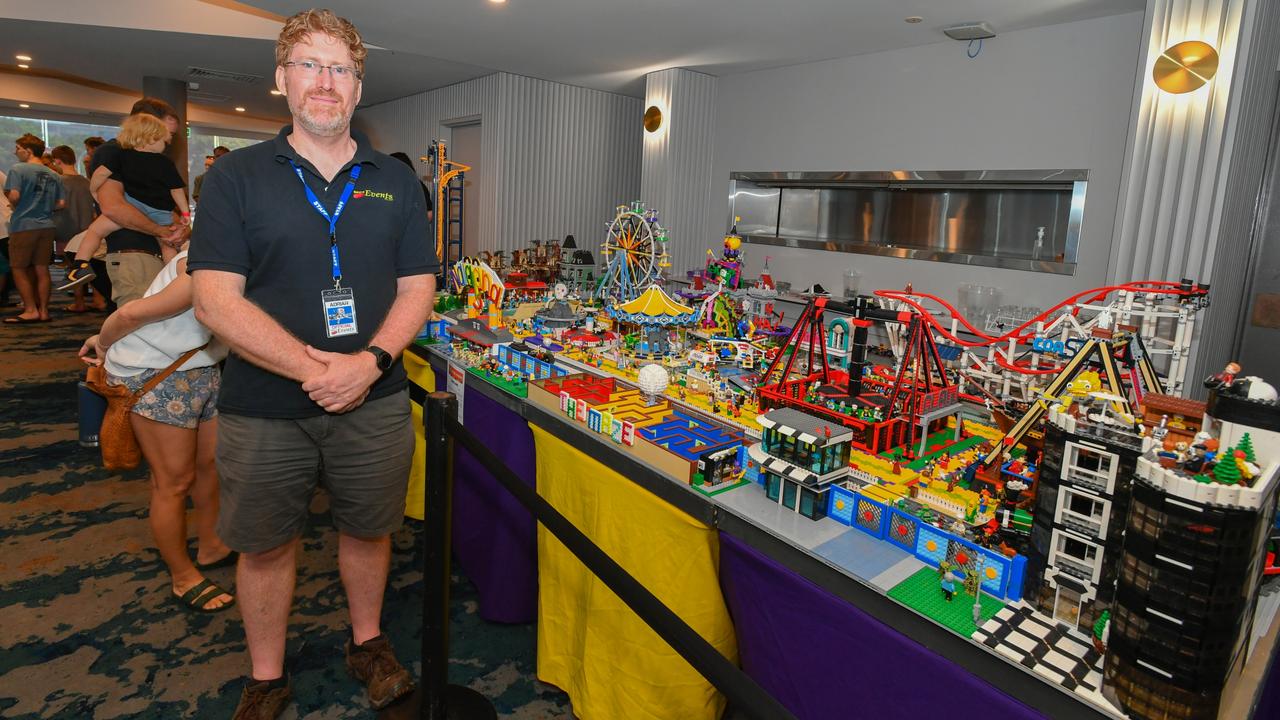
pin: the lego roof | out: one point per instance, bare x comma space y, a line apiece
1156, 402
654, 304
805, 427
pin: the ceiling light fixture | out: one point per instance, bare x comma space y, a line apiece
239, 109
23, 105
914, 19
498, 2
23, 58
276, 92
24, 66
1185, 67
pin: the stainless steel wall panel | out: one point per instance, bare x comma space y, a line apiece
977, 217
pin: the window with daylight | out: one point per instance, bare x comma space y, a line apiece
53, 132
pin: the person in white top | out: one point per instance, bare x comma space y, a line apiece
175, 423
6, 210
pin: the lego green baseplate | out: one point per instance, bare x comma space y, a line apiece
922, 592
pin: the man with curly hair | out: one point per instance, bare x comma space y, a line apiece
312, 261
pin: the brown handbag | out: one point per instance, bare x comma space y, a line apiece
119, 447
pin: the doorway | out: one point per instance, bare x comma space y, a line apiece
1066, 607
465, 147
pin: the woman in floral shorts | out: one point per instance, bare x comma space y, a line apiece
176, 423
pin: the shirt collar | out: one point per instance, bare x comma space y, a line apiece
285, 152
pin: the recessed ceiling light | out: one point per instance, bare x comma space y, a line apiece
23, 105
239, 109
276, 92
24, 66
915, 19
498, 2
23, 58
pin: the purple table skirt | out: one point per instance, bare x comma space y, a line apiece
493, 535
823, 658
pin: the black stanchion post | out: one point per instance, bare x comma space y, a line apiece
436, 699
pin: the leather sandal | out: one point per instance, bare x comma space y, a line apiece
201, 594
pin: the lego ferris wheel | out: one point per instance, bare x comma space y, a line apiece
635, 253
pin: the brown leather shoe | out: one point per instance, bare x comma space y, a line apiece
260, 701
374, 663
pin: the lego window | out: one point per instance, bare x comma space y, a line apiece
1090, 467
1087, 513
1076, 557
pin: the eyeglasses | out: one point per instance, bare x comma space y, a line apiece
313, 68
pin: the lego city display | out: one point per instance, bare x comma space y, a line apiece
1026, 480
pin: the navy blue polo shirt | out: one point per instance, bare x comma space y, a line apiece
254, 219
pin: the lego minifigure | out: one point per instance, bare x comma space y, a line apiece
1225, 379
947, 580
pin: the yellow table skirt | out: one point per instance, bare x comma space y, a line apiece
592, 645
420, 374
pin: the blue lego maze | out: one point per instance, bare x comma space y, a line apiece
688, 436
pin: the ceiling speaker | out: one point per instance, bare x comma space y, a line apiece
970, 31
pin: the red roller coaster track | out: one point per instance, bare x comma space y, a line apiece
1020, 333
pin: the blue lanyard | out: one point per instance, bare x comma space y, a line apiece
333, 219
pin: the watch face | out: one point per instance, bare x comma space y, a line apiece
381, 357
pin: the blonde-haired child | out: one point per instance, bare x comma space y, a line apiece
151, 184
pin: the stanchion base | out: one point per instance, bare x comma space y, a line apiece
461, 703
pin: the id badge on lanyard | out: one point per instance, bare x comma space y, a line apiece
338, 303
339, 312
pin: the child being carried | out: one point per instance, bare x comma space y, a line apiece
151, 184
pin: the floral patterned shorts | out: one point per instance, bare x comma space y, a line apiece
184, 399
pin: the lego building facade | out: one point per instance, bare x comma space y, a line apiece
799, 458
1192, 561
1082, 500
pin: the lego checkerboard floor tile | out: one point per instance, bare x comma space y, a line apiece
1044, 646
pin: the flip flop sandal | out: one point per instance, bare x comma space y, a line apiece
197, 597
225, 561
19, 320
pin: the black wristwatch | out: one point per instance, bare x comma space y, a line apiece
381, 357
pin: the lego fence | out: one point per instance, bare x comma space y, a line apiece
1001, 576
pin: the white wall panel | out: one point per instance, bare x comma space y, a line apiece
557, 158
675, 177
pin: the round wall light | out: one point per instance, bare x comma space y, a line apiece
1185, 67
652, 119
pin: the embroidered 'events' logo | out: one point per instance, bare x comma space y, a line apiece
372, 194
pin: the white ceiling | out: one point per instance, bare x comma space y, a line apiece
121, 56
605, 44
611, 44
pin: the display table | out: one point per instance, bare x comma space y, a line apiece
825, 658
825, 643
493, 536
590, 644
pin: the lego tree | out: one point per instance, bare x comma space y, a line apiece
1227, 472
1100, 630
1246, 444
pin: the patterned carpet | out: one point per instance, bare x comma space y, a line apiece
86, 628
